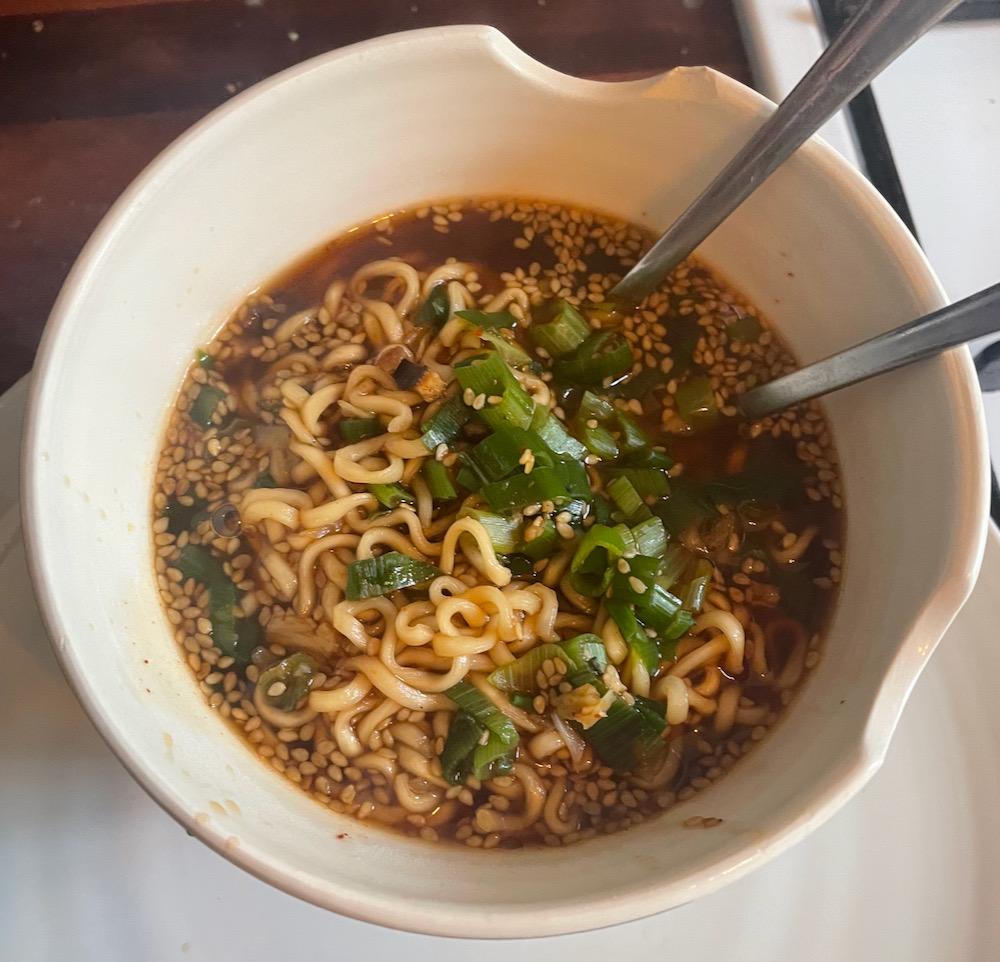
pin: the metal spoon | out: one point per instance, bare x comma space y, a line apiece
878, 33
928, 335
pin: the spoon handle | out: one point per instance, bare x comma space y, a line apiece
928, 335
878, 33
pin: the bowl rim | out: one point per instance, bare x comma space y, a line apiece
956, 580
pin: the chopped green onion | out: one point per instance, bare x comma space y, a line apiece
577, 509
696, 400
493, 378
626, 735
500, 455
600, 509
632, 440
466, 477
566, 480
265, 480
289, 680
640, 644
232, 636
492, 758
687, 504
650, 458
463, 738
501, 531
472, 700
642, 572
436, 308
601, 356
694, 598
659, 608
183, 517
371, 577
520, 699
654, 712
594, 412
204, 359
593, 564
564, 332
435, 474
580, 653
650, 536
391, 495
488, 320
648, 482
512, 352
551, 430
445, 423
624, 495
641, 385
587, 652
677, 561
521, 675
677, 628
518, 565
353, 430
205, 405
543, 541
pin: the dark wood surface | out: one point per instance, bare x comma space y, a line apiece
92, 90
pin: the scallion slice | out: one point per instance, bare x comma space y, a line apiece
592, 418
463, 738
694, 597
640, 644
629, 501
627, 735
635, 585
564, 481
491, 377
511, 352
543, 541
391, 495
650, 537
488, 320
445, 423
233, 636
438, 481
435, 309
521, 674
580, 653
554, 434
587, 651
295, 673
659, 608
648, 482
470, 699
603, 355
501, 454
372, 577
205, 404
493, 758
696, 400
565, 331
632, 440
502, 531
593, 564
353, 430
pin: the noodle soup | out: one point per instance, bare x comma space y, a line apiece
462, 548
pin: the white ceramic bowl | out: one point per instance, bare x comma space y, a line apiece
453, 112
